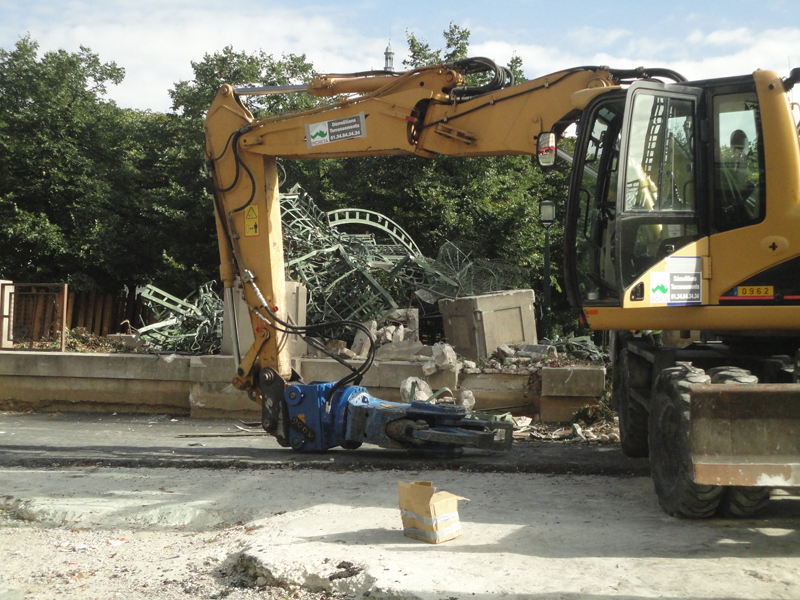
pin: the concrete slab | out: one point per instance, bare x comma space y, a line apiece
573, 381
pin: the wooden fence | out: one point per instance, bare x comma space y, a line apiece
36, 313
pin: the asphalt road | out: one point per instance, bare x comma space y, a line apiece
126, 440
543, 522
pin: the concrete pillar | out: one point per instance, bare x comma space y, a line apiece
295, 305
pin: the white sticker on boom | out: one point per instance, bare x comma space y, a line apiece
336, 130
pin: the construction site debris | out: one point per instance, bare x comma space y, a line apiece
506, 351
192, 325
361, 342
466, 399
348, 273
414, 388
445, 357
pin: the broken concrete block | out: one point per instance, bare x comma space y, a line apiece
466, 399
505, 351
388, 332
573, 381
476, 325
468, 364
537, 351
445, 357
409, 317
399, 334
347, 353
361, 341
429, 368
414, 388
405, 350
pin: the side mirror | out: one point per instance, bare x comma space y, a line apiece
546, 149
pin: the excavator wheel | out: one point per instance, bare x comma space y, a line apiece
744, 502
741, 502
632, 415
670, 457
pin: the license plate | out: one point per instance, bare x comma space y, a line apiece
749, 290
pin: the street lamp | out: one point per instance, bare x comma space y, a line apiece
547, 215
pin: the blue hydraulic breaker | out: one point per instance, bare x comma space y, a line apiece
316, 417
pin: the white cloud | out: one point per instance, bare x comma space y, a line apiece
698, 56
156, 41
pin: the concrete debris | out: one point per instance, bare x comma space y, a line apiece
347, 353
398, 335
409, 318
429, 368
506, 351
414, 388
361, 342
466, 399
445, 357
468, 364
537, 351
387, 333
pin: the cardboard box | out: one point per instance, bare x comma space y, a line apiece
428, 515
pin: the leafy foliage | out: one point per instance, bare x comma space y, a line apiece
101, 196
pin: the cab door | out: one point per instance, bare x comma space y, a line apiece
659, 209
590, 263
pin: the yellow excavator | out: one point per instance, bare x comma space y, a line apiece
682, 239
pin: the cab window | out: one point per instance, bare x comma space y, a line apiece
739, 181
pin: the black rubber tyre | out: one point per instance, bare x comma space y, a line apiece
743, 502
670, 459
632, 415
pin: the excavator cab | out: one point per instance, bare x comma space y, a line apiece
670, 227
634, 193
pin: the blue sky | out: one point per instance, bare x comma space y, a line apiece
155, 41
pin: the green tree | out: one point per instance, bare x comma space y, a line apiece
66, 166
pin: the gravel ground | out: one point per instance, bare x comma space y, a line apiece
131, 564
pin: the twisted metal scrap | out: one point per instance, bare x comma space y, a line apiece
181, 325
347, 274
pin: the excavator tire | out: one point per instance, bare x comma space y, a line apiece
670, 457
741, 502
632, 415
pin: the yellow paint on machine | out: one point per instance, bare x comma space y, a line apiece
251, 228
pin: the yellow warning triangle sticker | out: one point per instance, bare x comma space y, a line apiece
251, 213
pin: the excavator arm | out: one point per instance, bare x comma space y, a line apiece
424, 112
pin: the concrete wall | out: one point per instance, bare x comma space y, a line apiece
200, 385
